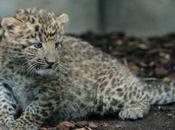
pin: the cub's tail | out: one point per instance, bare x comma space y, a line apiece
161, 93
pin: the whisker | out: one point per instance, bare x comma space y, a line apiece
30, 69
61, 67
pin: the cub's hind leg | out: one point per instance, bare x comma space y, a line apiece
7, 106
124, 96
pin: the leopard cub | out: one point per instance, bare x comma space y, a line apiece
44, 71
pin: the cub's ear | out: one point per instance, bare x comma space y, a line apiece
63, 18
12, 24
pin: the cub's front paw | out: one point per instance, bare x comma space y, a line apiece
131, 113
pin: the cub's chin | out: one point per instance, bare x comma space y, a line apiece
45, 72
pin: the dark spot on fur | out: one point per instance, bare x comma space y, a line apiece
120, 106
17, 49
42, 90
36, 28
5, 106
114, 102
110, 75
7, 87
52, 34
134, 93
100, 108
36, 98
120, 94
113, 82
32, 20
108, 91
167, 89
103, 84
132, 102
130, 88
40, 36
1, 38
119, 89
3, 100
44, 113
14, 106
37, 117
125, 97
47, 105
9, 94
10, 109
138, 96
23, 46
32, 36
10, 27
130, 95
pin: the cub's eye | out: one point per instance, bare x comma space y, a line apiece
57, 44
38, 45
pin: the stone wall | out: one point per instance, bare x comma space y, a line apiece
136, 17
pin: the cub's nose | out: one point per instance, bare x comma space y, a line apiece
49, 62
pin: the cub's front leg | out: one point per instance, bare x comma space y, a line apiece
37, 112
7, 106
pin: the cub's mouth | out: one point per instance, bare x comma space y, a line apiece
49, 67
47, 71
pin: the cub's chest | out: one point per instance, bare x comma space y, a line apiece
24, 90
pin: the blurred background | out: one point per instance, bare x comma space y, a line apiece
135, 17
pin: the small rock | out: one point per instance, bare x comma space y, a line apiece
134, 68
143, 46
161, 71
83, 128
92, 125
65, 125
166, 80
105, 124
43, 129
118, 126
170, 114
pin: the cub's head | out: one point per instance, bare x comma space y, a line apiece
34, 38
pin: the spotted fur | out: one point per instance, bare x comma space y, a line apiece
44, 72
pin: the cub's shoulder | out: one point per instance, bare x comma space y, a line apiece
69, 41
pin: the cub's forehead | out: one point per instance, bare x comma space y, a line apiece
43, 18
45, 31
36, 15
46, 19
41, 21
49, 32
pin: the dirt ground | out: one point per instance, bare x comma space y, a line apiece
159, 118
151, 59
